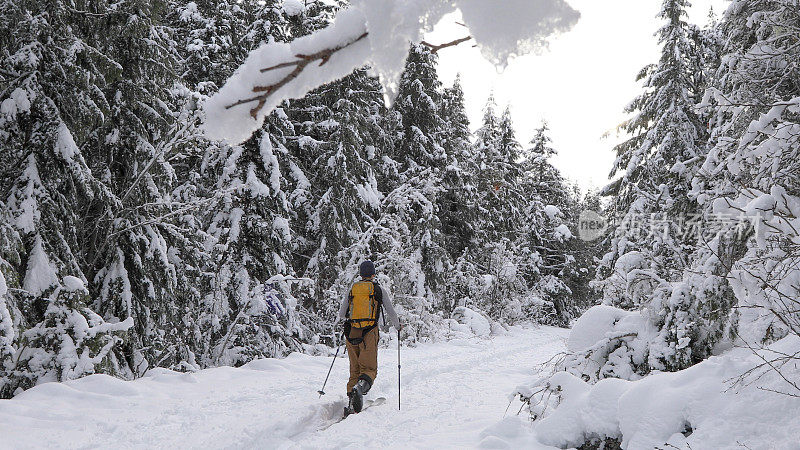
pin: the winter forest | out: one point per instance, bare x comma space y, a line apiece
190, 185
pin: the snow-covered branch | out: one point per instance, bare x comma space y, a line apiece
299, 64
376, 33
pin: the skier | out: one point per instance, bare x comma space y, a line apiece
360, 311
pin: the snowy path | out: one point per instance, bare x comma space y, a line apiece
451, 393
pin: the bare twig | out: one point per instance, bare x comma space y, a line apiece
777, 392
435, 48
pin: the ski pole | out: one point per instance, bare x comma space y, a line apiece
322, 391
398, 370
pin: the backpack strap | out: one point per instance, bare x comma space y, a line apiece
379, 299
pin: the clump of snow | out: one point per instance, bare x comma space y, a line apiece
27, 206
477, 323
235, 124
74, 284
593, 326
40, 274
3, 286
562, 232
552, 211
65, 144
515, 27
293, 7
585, 411
629, 261
190, 12
17, 102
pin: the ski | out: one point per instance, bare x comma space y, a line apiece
367, 404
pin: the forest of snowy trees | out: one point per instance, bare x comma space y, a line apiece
704, 249
132, 238
128, 240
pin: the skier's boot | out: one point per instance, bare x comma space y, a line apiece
359, 391
356, 400
349, 408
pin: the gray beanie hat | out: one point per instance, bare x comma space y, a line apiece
367, 269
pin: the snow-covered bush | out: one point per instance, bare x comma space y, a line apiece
475, 322
70, 342
693, 408
681, 324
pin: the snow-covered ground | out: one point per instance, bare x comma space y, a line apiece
454, 396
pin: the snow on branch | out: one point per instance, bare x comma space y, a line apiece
299, 64
376, 33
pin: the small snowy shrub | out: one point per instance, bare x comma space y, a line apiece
477, 323
71, 341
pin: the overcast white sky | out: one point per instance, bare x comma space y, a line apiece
580, 86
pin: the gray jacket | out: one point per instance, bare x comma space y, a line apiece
388, 308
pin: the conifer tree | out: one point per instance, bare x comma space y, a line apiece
341, 128
655, 168
53, 75
457, 209
544, 231
420, 159
752, 170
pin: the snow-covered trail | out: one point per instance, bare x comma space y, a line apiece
452, 391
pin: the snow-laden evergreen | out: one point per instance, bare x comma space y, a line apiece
658, 225
720, 296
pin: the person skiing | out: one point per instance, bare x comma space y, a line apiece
360, 311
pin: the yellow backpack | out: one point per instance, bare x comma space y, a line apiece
363, 305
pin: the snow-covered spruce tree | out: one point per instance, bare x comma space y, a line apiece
457, 208
419, 159
654, 165
650, 196
70, 342
138, 254
10, 249
733, 268
550, 205
499, 206
248, 307
209, 34
460, 174
752, 169
252, 306
655, 262
485, 144
586, 252
52, 104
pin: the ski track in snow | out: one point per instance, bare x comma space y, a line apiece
452, 392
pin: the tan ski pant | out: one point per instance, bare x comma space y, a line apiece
363, 357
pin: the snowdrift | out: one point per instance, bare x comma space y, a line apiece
702, 407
